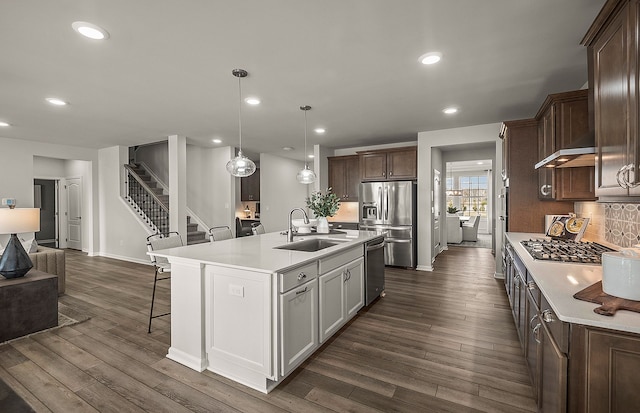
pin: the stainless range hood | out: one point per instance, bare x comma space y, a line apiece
580, 153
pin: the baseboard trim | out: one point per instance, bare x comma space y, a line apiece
424, 268
123, 258
498, 275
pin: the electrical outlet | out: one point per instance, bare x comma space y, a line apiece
10, 202
236, 290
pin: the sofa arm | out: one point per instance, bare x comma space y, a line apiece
52, 261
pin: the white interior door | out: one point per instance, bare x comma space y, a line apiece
435, 209
74, 213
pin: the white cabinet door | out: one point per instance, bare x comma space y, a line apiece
332, 310
354, 287
298, 325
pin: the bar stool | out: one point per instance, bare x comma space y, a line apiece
157, 242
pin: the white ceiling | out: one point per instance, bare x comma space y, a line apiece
166, 68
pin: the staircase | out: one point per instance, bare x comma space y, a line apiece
150, 202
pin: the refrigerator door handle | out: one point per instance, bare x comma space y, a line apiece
397, 240
379, 212
386, 205
384, 227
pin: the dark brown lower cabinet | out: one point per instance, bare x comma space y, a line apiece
606, 367
553, 374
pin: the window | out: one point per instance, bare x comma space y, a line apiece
472, 198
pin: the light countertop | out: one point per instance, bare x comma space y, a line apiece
559, 281
257, 252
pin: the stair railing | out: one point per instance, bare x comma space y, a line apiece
140, 196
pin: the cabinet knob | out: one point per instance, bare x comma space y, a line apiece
302, 276
390, 173
531, 285
547, 316
545, 190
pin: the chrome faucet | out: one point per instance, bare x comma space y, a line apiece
290, 231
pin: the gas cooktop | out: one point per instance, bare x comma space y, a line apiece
560, 250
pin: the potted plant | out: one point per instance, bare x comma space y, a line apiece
323, 205
452, 210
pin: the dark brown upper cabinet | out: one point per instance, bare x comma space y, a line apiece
250, 187
389, 164
613, 52
344, 177
563, 119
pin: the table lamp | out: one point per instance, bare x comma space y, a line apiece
15, 261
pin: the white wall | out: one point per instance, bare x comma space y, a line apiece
156, 157
445, 139
321, 166
49, 168
211, 190
280, 192
17, 156
122, 235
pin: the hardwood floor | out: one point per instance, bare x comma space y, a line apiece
441, 341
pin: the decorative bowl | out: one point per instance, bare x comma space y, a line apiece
302, 227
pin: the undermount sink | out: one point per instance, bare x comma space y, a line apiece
309, 245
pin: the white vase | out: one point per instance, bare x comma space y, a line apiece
323, 226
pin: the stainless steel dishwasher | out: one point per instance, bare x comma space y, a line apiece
374, 269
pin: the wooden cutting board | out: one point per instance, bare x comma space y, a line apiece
610, 304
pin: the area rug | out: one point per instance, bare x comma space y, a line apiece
63, 321
11, 402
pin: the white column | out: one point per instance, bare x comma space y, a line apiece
187, 315
178, 185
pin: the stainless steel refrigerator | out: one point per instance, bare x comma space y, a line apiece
391, 206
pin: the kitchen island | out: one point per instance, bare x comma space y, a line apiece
579, 361
252, 309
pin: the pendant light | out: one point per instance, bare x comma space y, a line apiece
240, 166
306, 175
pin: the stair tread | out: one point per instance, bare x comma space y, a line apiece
197, 241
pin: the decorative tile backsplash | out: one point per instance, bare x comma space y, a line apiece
622, 224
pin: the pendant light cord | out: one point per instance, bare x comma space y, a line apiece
240, 112
305, 139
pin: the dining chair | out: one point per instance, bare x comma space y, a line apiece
157, 242
470, 229
257, 228
220, 233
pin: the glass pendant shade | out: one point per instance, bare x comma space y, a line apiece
306, 175
241, 166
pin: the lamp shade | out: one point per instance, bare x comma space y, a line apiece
19, 220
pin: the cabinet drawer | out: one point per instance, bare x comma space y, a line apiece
559, 330
334, 261
298, 276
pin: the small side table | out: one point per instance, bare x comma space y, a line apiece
28, 304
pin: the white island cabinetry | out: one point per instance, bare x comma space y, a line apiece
251, 312
341, 290
298, 316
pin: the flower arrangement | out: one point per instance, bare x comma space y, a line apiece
452, 210
323, 204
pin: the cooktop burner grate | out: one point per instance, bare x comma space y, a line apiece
565, 251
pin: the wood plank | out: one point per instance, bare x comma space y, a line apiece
442, 341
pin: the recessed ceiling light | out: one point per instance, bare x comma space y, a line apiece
216, 140
90, 30
252, 101
56, 101
450, 111
430, 58
4, 124
310, 156
287, 148
319, 131
480, 163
